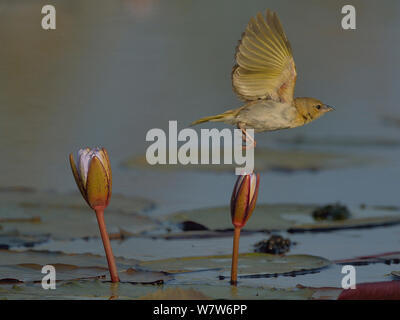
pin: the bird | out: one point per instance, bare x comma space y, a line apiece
264, 77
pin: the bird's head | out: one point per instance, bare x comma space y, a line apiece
311, 108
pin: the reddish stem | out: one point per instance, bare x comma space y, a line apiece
107, 246
235, 256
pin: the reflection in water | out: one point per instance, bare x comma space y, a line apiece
114, 291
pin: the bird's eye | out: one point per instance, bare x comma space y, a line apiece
318, 106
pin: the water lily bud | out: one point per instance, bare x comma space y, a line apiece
244, 198
93, 176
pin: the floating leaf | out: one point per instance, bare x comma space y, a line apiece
387, 290
324, 293
206, 234
250, 264
26, 266
143, 277
254, 293
32, 273
290, 217
150, 248
39, 214
175, 294
10, 258
14, 239
207, 292
387, 258
30, 198
267, 159
77, 289
341, 141
96, 289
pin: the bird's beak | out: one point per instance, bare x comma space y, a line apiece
327, 108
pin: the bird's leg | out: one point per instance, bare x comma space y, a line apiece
250, 138
246, 137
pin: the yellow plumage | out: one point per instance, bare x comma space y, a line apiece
264, 76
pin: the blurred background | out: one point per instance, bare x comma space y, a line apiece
112, 70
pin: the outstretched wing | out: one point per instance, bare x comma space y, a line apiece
264, 67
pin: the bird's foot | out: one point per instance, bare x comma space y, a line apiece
246, 137
250, 146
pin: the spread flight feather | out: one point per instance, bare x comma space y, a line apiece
264, 76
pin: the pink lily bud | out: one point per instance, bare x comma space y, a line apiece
244, 198
93, 176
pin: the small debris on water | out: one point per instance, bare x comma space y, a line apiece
274, 245
192, 226
331, 212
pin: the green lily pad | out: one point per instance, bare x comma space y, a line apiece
250, 264
96, 289
11, 257
289, 217
26, 266
132, 275
32, 273
341, 141
207, 292
154, 248
76, 289
39, 214
267, 159
30, 198
386, 258
177, 293
14, 239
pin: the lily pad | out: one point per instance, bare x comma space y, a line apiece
26, 266
27, 197
176, 294
11, 258
396, 274
267, 159
150, 248
341, 141
39, 214
96, 289
387, 258
206, 292
14, 239
289, 217
250, 264
32, 273
254, 293
77, 289
387, 290
132, 275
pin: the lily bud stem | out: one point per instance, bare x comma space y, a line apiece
107, 246
235, 256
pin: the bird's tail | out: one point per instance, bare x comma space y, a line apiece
226, 116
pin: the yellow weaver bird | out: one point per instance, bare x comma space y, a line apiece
264, 77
